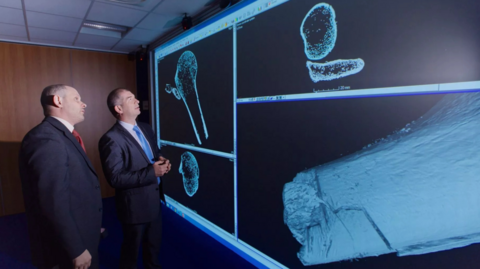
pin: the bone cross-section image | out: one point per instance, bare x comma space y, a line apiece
186, 90
190, 172
319, 33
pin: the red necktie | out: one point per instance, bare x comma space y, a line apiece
79, 139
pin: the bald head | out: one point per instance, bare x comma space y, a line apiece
64, 102
46, 99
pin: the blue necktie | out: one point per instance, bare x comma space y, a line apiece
145, 147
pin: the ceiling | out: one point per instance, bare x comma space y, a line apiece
59, 22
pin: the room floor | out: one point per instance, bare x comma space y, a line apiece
183, 246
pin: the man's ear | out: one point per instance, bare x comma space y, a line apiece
57, 101
118, 109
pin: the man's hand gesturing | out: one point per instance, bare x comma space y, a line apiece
162, 166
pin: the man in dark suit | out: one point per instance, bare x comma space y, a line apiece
61, 191
133, 165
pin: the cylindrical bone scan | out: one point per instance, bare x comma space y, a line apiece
190, 172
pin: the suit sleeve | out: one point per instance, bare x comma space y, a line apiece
113, 160
49, 170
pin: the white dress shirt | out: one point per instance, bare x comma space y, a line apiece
66, 123
129, 128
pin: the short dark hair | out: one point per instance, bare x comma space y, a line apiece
46, 98
113, 100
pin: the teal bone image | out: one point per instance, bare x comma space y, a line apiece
186, 81
190, 173
319, 33
410, 193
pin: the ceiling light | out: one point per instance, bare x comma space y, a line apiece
103, 29
105, 26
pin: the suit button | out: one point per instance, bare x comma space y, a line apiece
156, 189
97, 187
100, 210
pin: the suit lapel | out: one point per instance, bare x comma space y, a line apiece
72, 139
132, 140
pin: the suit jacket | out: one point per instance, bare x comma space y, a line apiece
128, 170
62, 195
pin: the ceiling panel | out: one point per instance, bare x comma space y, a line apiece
90, 46
147, 6
50, 42
11, 16
179, 7
59, 22
11, 3
13, 30
42, 20
47, 34
120, 49
142, 35
155, 21
69, 8
104, 41
128, 45
115, 14
13, 38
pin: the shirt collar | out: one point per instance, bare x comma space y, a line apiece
127, 126
66, 123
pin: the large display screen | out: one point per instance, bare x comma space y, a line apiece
203, 183
328, 134
313, 46
196, 93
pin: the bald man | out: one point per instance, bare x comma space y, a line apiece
60, 187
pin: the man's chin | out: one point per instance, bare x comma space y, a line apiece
80, 119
